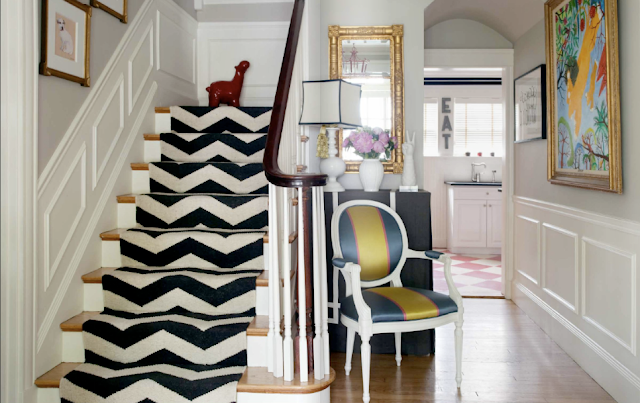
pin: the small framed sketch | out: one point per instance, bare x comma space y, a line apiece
66, 33
117, 8
531, 105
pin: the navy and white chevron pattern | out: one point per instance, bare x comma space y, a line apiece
228, 212
175, 319
212, 147
207, 177
224, 119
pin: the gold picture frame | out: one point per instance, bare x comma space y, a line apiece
68, 49
584, 145
123, 17
395, 35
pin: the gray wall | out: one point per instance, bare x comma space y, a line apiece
186, 5
464, 34
531, 158
246, 12
59, 100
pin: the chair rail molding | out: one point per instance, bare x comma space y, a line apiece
18, 155
89, 167
252, 41
588, 283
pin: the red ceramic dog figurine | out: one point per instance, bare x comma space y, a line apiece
228, 92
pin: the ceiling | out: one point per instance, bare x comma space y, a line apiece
510, 18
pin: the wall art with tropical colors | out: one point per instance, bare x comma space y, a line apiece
583, 94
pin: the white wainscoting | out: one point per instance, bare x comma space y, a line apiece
222, 46
90, 166
579, 269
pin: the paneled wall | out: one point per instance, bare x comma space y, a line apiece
153, 65
223, 45
580, 268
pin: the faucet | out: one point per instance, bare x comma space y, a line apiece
475, 177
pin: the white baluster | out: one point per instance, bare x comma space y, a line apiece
286, 293
302, 306
323, 283
274, 283
271, 333
318, 343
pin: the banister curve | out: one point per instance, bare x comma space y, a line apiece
272, 170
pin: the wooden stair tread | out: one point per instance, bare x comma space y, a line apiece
114, 235
95, 277
259, 326
151, 137
52, 378
75, 324
259, 380
139, 166
163, 109
254, 380
127, 199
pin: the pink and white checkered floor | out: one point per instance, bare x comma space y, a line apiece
474, 275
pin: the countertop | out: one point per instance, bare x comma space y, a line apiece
474, 183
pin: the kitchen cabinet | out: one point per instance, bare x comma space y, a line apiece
474, 219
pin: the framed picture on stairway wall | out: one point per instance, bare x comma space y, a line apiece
584, 147
117, 8
65, 44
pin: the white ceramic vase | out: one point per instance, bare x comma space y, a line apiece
371, 173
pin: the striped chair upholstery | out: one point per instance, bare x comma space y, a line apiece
394, 304
370, 237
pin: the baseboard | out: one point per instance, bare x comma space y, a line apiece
618, 380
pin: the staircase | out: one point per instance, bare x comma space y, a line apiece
179, 310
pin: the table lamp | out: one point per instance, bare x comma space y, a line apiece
334, 104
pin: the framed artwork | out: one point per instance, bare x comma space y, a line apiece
530, 96
66, 34
584, 147
117, 8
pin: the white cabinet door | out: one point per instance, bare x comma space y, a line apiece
470, 223
494, 223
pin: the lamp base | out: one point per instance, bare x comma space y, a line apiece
333, 167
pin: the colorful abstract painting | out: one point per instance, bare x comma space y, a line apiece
579, 37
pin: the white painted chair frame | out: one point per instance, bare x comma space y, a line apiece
364, 325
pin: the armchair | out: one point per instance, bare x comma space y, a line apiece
370, 248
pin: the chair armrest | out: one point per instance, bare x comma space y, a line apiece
444, 258
351, 273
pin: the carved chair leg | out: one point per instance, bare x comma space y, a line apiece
458, 339
365, 352
398, 348
351, 337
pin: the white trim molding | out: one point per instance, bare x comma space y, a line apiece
588, 284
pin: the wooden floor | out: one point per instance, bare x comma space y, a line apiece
507, 358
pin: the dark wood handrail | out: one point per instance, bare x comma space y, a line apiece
274, 174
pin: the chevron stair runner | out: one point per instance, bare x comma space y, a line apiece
176, 315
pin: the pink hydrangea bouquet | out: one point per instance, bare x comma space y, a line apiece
370, 143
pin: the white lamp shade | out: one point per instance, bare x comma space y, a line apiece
331, 102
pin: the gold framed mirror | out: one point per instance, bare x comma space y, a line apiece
374, 58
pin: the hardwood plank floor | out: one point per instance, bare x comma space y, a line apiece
507, 358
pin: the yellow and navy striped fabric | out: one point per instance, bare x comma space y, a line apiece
372, 238
397, 304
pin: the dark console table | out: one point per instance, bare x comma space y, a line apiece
415, 211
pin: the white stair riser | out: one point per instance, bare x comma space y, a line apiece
126, 215
93, 301
163, 122
152, 151
73, 349
140, 182
52, 395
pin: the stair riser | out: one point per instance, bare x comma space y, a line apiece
152, 151
93, 300
111, 254
73, 349
163, 122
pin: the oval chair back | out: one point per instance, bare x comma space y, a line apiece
372, 235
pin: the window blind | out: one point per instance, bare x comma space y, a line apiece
477, 127
430, 147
